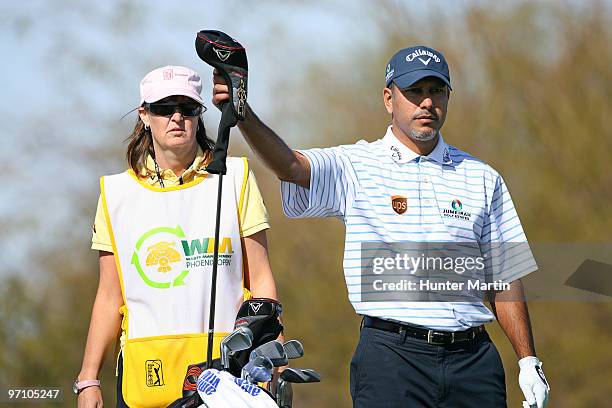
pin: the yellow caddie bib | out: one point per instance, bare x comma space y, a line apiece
163, 242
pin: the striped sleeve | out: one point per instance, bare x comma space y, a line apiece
327, 194
503, 240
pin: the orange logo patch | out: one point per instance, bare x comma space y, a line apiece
399, 203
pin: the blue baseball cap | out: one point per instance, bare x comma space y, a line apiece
412, 64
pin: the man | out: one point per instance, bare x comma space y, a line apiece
410, 186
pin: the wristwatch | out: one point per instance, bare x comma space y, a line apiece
79, 386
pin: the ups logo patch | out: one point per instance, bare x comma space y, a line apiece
399, 204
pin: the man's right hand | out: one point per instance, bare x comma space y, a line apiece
220, 89
90, 397
287, 164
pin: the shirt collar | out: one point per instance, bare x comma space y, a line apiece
401, 153
440, 153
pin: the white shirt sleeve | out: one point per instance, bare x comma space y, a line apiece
503, 240
329, 189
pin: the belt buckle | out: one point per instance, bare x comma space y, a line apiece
432, 333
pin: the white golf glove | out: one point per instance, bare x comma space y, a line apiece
532, 382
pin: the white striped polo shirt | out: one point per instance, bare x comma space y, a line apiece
356, 182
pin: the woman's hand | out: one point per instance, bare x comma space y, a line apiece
90, 397
103, 328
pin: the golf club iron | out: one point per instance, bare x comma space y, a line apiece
274, 351
300, 375
259, 369
293, 349
239, 339
284, 390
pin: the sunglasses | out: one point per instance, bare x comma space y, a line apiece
168, 108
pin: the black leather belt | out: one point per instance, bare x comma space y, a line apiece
437, 337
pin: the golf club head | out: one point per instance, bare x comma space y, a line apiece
300, 375
284, 394
293, 349
229, 57
258, 369
274, 351
312, 375
239, 339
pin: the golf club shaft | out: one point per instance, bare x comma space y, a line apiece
213, 287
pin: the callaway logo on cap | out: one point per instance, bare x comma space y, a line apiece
412, 64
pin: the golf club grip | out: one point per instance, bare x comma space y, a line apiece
228, 120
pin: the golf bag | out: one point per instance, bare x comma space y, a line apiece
259, 315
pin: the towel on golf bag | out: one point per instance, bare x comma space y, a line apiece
220, 389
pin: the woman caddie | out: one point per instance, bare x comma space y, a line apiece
154, 230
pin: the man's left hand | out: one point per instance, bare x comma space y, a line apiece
533, 382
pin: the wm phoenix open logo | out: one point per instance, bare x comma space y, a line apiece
169, 256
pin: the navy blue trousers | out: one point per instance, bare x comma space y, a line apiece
392, 370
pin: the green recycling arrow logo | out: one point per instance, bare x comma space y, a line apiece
165, 249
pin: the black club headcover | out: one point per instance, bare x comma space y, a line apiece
229, 58
261, 316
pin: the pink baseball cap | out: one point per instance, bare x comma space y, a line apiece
170, 80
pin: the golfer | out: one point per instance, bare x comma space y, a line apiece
411, 186
154, 230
